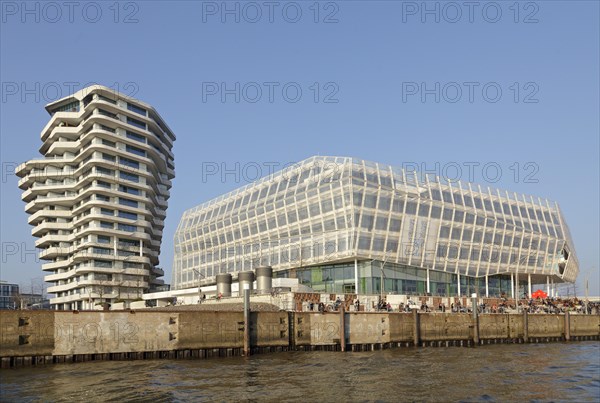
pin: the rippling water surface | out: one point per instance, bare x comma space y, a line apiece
497, 373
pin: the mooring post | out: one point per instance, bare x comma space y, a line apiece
475, 319
246, 320
525, 327
567, 326
292, 330
342, 328
416, 330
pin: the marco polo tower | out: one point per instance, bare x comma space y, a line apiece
97, 198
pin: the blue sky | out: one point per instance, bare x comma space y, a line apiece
393, 85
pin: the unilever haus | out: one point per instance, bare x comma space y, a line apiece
346, 225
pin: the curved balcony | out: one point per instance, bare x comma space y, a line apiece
68, 133
66, 299
53, 266
69, 119
55, 251
63, 287
59, 276
51, 239
157, 271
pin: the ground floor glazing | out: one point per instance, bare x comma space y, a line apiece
405, 280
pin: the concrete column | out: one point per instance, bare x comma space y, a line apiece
356, 276
487, 290
552, 289
458, 283
517, 294
141, 248
512, 285
428, 286
548, 285
529, 285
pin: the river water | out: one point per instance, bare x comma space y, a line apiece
568, 372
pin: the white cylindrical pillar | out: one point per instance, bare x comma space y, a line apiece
487, 290
356, 276
512, 285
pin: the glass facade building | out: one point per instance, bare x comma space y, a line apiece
346, 225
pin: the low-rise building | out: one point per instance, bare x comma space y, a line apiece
345, 225
8, 295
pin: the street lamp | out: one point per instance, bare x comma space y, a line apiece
386, 257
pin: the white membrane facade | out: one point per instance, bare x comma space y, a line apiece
335, 222
97, 199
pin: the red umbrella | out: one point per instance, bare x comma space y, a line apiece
539, 294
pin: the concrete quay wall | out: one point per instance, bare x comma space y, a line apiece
35, 337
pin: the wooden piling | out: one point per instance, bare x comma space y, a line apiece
416, 328
525, 327
342, 328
